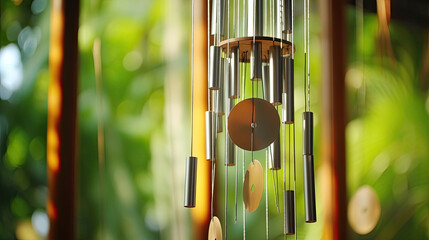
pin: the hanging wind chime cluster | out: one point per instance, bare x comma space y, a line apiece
258, 105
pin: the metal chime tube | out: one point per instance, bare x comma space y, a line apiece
288, 111
210, 135
255, 18
215, 30
255, 61
289, 208
275, 85
287, 16
266, 81
214, 67
234, 80
309, 186
307, 130
274, 152
230, 147
190, 181
220, 94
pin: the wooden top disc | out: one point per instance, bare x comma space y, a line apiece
215, 229
265, 124
253, 186
244, 44
364, 210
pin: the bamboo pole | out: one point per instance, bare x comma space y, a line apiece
333, 119
62, 130
201, 212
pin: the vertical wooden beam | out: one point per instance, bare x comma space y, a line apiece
201, 212
62, 107
333, 118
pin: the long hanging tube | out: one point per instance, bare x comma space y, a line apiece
255, 18
234, 81
255, 61
218, 10
275, 85
288, 111
309, 187
210, 118
191, 162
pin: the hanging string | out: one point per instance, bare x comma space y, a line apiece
266, 197
226, 201
294, 179
307, 51
192, 81
213, 182
244, 207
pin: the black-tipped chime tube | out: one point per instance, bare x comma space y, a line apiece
190, 182
234, 80
275, 75
256, 61
287, 16
214, 17
230, 147
288, 109
307, 132
274, 162
309, 189
266, 81
289, 212
214, 67
210, 135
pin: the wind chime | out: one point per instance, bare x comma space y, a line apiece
252, 104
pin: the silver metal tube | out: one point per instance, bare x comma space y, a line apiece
288, 108
275, 75
214, 65
220, 95
190, 182
287, 16
266, 81
307, 132
210, 135
215, 21
230, 146
256, 61
275, 157
289, 212
255, 19
309, 189
234, 80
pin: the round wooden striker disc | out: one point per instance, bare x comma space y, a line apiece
265, 128
364, 210
215, 229
253, 186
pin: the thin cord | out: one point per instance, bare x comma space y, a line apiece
226, 201
266, 197
236, 187
294, 179
213, 183
244, 207
192, 81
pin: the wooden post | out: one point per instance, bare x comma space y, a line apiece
62, 130
201, 212
333, 119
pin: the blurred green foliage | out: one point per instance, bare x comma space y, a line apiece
387, 133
